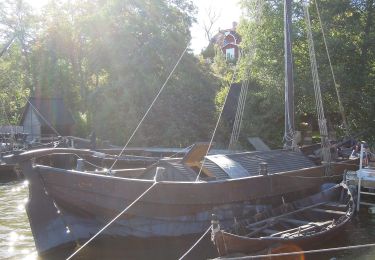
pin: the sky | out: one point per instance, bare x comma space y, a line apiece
228, 10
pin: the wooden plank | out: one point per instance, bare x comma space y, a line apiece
336, 205
258, 144
291, 230
269, 231
368, 193
256, 230
302, 228
329, 211
367, 203
294, 221
196, 154
273, 219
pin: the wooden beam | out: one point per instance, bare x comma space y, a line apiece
328, 211
302, 228
274, 219
294, 221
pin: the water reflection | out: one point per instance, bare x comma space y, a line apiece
16, 241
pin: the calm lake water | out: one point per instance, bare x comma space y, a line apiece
16, 241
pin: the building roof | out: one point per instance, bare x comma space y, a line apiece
52, 110
219, 38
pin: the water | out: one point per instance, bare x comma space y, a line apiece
16, 241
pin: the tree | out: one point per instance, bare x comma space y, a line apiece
346, 26
212, 17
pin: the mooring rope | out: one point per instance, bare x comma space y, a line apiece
113, 220
303, 252
196, 243
152, 104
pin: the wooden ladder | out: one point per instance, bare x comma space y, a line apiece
370, 191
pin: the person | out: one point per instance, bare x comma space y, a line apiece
366, 152
356, 152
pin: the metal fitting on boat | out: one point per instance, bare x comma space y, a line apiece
215, 226
263, 168
80, 165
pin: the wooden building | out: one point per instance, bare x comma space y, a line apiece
40, 115
228, 40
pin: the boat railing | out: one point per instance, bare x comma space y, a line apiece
38, 153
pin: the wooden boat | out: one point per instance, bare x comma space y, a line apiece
300, 223
181, 198
230, 185
9, 173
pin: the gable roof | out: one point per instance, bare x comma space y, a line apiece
219, 38
52, 110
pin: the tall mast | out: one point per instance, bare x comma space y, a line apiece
289, 88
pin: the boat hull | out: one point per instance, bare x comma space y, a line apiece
228, 243
9, 173
66, 206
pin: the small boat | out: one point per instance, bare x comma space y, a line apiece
301, 223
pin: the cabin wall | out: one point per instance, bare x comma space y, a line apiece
11, 129
31, 125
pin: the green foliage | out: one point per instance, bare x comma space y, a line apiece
209, 52
348, 33
108, 59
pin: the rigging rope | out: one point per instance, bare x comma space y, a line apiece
239, 114
182, 151
7, 45
113, 220
92, 164
337, 86
123, 149
149, 108
41, 116
36, 110
318, 96
217, 125
289, 131
258, 6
